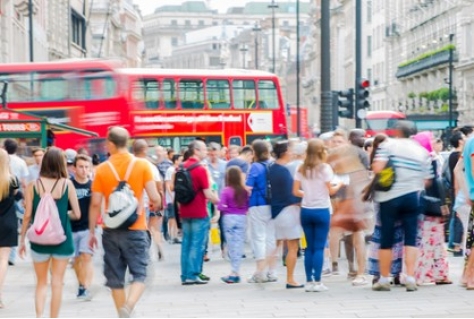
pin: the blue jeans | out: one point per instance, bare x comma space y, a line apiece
315, 222
195, 232
234, 227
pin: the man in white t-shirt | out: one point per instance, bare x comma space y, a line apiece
17, 165
155, 218
19, 168
170, 211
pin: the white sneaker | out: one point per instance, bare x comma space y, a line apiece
320, 287
359, 281
309, 287
272, 277
326, 272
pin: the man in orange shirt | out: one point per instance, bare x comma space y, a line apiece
123, 248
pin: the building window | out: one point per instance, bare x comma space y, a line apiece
369, 75
78, 27
286, 24
201, 22
174, 42
369, 46
174, 22
369, 11
187, 23
215, 22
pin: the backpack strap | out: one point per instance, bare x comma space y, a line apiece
127, 174
54, 186
129, 168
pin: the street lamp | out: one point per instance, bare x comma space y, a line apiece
244, 50
298, 114
451, 57
256, 28
273, 6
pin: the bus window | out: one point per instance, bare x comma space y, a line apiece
218, 94
235, 140
169, 93
97, 85
267, 95
19, 87
36, 87
244, 94
51, 89
191, 94
151, 92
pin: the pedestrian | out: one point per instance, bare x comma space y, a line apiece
19, 168
262, 229
194, 217
33, 170
217, 166
155, 217
467, 155
123, 248
80, 228
432, 263
233, 207
285, 209
9, 186
53, 179
412, 166
313, 183
170, 211
373, 267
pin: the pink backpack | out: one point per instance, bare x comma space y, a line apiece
47, 228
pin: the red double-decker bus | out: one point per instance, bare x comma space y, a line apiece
382, 122
168, 107
223, 106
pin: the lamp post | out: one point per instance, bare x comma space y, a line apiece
298, 115
273, 6
244, 50
256, 29
451, 57
30, 26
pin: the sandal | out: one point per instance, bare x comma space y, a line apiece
1, 304
444, 282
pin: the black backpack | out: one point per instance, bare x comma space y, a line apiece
183, 184
268, 186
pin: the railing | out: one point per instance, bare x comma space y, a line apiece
424, 64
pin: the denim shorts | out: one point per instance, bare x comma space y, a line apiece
122, 249
81, 243
41, 258
169, 211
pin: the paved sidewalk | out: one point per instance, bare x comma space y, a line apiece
166, 297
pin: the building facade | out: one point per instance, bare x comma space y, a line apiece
59, 30
116, 28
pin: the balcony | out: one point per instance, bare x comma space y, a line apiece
425, 63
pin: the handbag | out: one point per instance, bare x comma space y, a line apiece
431, 205
385, 179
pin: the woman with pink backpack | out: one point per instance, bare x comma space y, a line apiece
50, 235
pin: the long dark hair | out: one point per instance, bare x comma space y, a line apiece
53, 164
378, 139
234, 180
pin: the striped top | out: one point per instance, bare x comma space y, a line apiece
412, 166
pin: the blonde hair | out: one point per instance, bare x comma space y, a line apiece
316, 154
5, 174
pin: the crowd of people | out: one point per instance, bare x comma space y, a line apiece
327, 190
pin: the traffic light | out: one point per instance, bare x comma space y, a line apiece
362, 92
346, 103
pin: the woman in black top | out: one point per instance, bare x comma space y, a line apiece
8, 219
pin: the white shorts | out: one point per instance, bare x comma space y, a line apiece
288, 223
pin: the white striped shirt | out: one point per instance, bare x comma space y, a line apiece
412, 166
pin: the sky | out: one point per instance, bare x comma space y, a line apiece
149, 6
